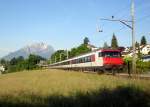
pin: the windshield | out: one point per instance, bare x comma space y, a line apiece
109, 54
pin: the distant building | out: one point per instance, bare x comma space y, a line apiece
145, 49
92, 47
146, 58
43, 64
127, 49
2, 68
121, 48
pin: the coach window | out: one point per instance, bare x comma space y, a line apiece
86, 59
100, 54
68, 62
80, 60
76, 61
73, 61
83, 60
89, 59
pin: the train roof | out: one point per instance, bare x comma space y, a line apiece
110, 50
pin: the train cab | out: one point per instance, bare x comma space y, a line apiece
111, 59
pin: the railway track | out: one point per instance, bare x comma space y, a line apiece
138, 76
125, 75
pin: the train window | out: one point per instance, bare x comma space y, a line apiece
83, 60
89, 59
80, 60
100, 54
110, 54
76, 61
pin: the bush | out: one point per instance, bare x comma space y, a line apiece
143, 66
19, 64
140, 65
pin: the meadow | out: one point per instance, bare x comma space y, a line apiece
58, 88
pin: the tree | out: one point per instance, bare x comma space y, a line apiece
114, 43
56, 56
13, 61
73, 52
137, 44
20, 59
143, 40
3, 61
33, 60
105, 45
86, 41
82, 49
79, 50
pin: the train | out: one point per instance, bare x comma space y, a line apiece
99, 60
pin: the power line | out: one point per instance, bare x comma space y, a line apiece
106, 36
125, 9
121, 10
115, 14
141, 19
140, 7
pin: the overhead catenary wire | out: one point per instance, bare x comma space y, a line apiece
142, 18
126, 8
139, 7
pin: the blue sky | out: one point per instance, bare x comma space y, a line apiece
64, 23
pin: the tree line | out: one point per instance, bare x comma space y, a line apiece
20, 64
114, 43
60, 55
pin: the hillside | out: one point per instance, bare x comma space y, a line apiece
57, 88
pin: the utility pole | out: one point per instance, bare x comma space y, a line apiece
60, 56
132, 27
133, 37
50, 61
67, 54
55, 59
28, 57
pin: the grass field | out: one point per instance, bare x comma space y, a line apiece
58, 88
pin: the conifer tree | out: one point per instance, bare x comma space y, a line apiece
143, 40
86, 40
114, 43
105, 45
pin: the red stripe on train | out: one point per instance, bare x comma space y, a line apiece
113, 61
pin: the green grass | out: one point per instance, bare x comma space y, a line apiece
58, 88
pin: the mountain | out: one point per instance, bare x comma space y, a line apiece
40, 49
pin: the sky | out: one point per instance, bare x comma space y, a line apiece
63, 24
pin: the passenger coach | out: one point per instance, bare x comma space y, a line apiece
97, 61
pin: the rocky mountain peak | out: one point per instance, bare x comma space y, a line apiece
40, 49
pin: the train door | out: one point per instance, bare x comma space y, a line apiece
99, 59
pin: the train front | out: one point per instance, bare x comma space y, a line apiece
112, 59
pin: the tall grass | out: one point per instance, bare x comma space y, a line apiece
57, 88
